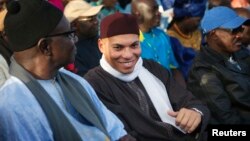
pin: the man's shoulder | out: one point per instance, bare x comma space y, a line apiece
70, 74
155, 68
201, 66
204, 59
14, 92
97, 77
10, 83
158, 30
151, 64
94, 72
76, 77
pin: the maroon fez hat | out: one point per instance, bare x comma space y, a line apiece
117, 24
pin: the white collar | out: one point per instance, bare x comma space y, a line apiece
124, 77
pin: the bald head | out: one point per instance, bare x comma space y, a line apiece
141, 5
147, 13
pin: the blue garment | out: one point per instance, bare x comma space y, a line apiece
189, 8
166, 4
156, 46
184, 56
23, 119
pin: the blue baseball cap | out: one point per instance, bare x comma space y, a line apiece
221, 17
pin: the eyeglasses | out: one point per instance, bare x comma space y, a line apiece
89, 19
70, 34
235, 30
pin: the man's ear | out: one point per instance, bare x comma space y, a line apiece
74, 24
44, 47
101, 45
139, 17
212, 34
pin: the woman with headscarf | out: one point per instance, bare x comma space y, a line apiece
186, 37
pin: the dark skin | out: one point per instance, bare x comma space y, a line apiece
245, 13
224, 42
110, 4
214, 3
192, 22
86, 27
49, 55
65, 2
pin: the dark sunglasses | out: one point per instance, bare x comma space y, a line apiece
235, 30
87, 19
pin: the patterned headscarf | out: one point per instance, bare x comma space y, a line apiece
189, 8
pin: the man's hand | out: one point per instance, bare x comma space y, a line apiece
187, 119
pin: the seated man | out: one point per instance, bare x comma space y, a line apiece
142, 93
40, 101
220, 76
82, 17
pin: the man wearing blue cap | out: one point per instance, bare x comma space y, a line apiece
220, 76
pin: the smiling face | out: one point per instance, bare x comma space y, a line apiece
121, 51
